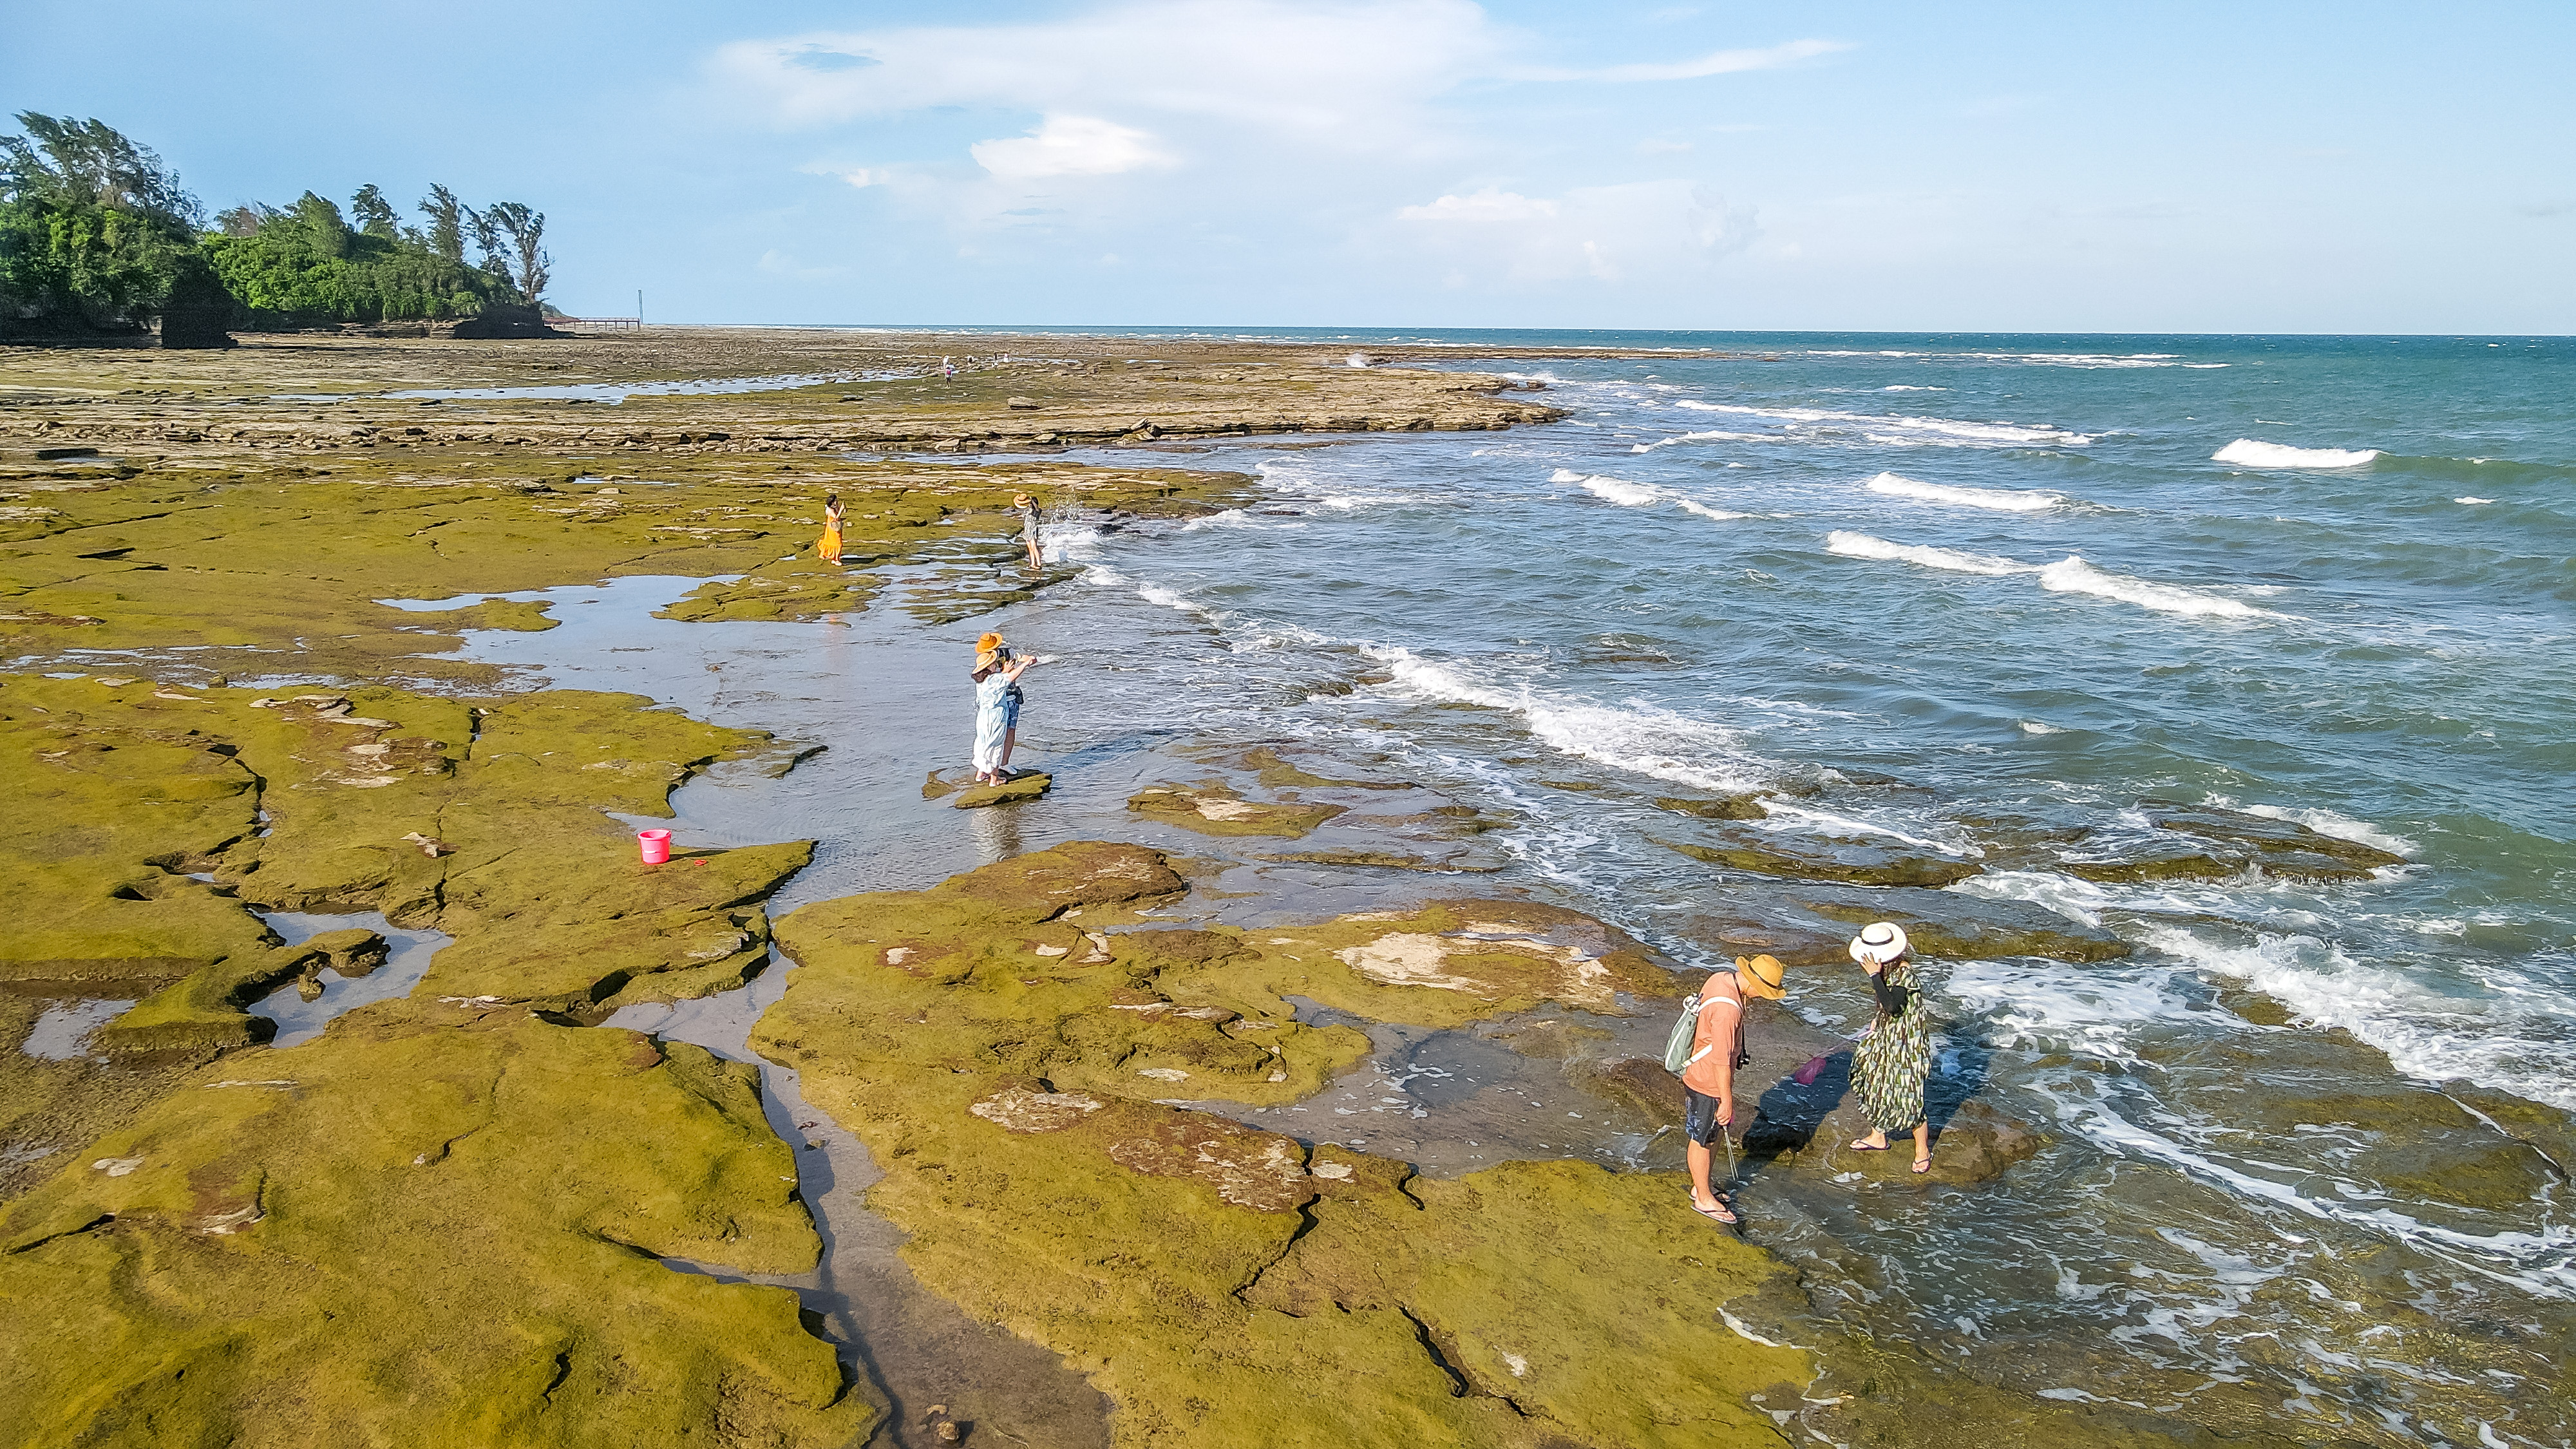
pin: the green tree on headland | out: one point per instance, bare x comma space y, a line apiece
304, 267
95, 236
446, 234
523, 230
375, 215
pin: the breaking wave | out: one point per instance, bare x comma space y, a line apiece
1898, 429
1640, 738
2427, 1035
2072, 575
1862, 545
2247, 453
1613, 490
2005, 500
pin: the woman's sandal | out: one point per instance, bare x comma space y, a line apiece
1923, 1164
1717, 1214
1864, 1145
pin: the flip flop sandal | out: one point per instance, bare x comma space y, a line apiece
1717, 1214
1869, 1147
1923, 1164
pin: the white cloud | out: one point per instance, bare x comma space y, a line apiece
1357, 73
1344, 71
784, 264
860, 176
1657, 230
1486, 205
1070, 146
1716, 62
1145, 128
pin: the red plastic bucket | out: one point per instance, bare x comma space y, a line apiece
656, 845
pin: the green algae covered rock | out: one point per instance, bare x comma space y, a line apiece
265, 556
1851, 862
484, 820
1454, 863
1000, 1041
799, 587
519, 616
1022, 786
101, 808
1277, 772
1214, 808
430, 1226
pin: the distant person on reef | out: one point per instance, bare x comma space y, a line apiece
1027, 508
1708, 1080
1889, 1065
829, 550
997, 708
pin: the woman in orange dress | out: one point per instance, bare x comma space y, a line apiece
829, 550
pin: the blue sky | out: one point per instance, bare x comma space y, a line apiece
2234, 167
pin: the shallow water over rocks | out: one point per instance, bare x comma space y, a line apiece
301, 1011
916, 1349
62, 1032
2239, 1171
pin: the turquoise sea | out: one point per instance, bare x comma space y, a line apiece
1995, 601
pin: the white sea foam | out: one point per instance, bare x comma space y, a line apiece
1704, 437
1780, 815
2072, 575
1068, 543
2082, 359
2537, 1263
2034, 727
1903, 387
2247, 453
2427, 1035
2326, 822
2041, 359
1862, 545
2003, 500
1704, 511
2473, 502
1640, 738
2053, 1009
1899, 429
1638, 495
1614, 490
2078, 900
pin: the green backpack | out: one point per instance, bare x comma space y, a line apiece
1677, 1047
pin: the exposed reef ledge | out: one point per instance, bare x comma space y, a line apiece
998, 1042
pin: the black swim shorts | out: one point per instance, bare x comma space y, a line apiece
1699, 1118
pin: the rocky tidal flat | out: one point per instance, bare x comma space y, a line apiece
1209, 1084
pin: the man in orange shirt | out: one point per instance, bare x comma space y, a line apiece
1708, 1078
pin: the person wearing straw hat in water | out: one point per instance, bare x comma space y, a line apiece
1895, 1055
1027, 508
1708, 1077
997, 708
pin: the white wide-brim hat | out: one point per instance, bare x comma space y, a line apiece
1880, 941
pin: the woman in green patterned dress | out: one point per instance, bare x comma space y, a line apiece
1889, 1065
